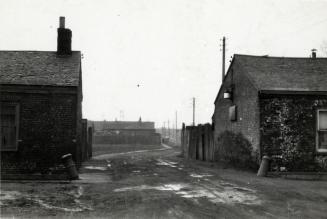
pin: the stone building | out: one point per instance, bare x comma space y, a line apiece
279, 104
41, 106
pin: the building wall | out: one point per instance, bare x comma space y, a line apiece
47, 127
132, 132
245, 97
79, 115
154, 139
289, 119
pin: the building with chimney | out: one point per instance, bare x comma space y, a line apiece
41, 107
279, 104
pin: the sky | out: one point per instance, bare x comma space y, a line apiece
170, 48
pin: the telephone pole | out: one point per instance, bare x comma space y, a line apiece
193, 111
223, 70
168, 130
121, 115
176, 126
164, 129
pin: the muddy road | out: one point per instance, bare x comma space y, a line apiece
157, 183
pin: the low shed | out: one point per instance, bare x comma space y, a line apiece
40, 107
280, 105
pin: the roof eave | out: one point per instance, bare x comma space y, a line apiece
228, 70
298, 92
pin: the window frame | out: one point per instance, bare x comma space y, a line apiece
232, 113
319, 150
17, 110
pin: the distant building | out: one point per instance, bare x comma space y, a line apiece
41, 106
126, 132
278, 103
130, 128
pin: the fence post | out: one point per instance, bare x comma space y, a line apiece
183, 140
90, 141
188, 142
84, 140
199, 142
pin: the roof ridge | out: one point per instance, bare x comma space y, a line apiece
34, 51
278, 57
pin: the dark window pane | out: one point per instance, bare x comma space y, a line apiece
8, 109
322, 140
8, 127
322, 120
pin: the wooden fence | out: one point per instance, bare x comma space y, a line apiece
197, 142
84, 148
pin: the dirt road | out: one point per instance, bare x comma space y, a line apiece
157, 183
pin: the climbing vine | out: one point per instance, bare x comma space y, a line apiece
288, 130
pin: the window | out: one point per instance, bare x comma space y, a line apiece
8, 126
322, 130
232, 113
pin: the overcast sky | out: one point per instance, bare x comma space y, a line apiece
168, 47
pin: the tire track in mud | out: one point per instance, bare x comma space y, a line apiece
107, 156
215, 191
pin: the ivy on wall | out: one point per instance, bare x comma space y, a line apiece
288, 129
236, 150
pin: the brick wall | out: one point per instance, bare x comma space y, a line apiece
245, 97
47, 128
154, 139
289, 118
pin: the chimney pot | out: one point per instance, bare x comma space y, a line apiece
314, 53
61, 22
64, 40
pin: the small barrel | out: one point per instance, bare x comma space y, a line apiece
263, 170
70, 166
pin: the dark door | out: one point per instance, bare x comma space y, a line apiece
8, 127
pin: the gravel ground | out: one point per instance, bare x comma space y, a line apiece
157, 183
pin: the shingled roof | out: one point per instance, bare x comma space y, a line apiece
284, 74
39, 68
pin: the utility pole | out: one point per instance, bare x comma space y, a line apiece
164, 132
223, 70
176, 126
168, 130
193, 111
121, 115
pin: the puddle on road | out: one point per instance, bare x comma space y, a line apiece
12, 196
227, 195
200, 175
166, 163
108, 164
167, 187
136, 171
8, 196
95, 168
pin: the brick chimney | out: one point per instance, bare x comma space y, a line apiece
314, 53
64, 40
